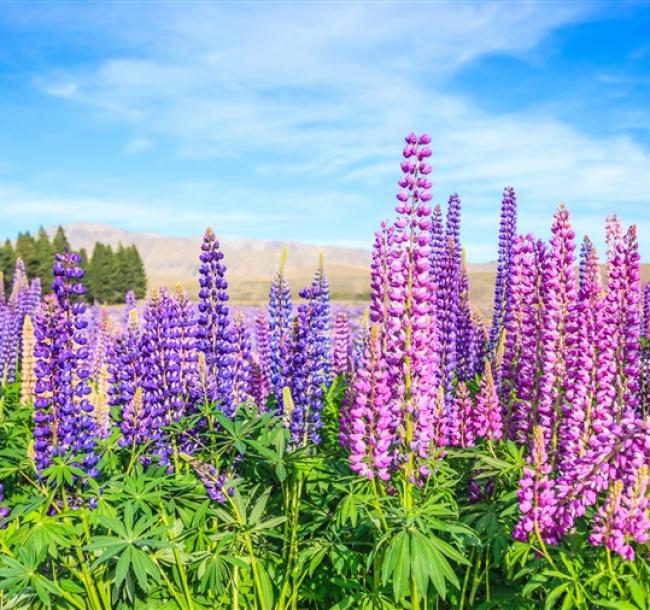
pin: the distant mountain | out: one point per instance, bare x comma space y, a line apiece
251, 263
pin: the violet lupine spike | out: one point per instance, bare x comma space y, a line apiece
537, 501
124, 375
163, 400
187, 344
281, 332
102, 343
342, 343
379, 271
507, 232
320, 285
412, 355
308, 366
488, 419
559, 293
369, 433
644, 389
581, 379
243, 365
130, 304
478, 343
213, 334
461, 419
631, 355
513, 326
63, 414
609, 524
464, 330
448, 291
437, 243
263, 352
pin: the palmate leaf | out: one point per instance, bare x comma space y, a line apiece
20, 575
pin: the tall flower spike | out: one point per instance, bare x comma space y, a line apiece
280, 330
63, 414
213, 335
537, 501
342, 343
411, 329
369, 434
507, 232
560, 299
28, 381
320, 286
379, 274
243, 366
262, 387
488, 420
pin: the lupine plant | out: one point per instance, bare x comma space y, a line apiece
194, 455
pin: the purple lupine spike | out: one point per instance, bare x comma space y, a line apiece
636, 502
507, 233
537, 501
262, 368
464, 330
360, 340
631, 335
102, 343
412, 357
280, 330
478, 343
448, 292
559, 293
581, 379
308, 366
609, 524
342, 343
243, 365
125, 374
187, 344
213, 333
163, 399
644, 389
63, 414
488, 419
437, 243
130, 304
461, 424
213, 481
320, 286
370, 431
379, 271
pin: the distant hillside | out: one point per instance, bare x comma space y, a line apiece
251, 263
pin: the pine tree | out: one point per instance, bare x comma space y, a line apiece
139, 285
60, 242
26, 248
45, 256
7, 263
101, 273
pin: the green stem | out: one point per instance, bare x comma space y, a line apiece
463, 591
612, 573
543, 546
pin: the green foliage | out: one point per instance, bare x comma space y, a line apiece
297, 530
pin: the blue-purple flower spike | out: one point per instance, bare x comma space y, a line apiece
63, 414
507, 232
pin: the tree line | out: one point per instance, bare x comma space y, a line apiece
109, 273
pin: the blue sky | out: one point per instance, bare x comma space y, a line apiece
285, 121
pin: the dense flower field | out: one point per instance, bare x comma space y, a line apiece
303, 456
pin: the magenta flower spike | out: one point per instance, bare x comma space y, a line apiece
488, 419
559, 293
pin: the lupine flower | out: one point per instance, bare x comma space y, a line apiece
412, 356
212, 480
320, 286
213, 334
280, 329
609, 524
559, 293
4, 510
379, 272
63, 414
461, 419
536, 494
488, 420
100, 400
262, 386
103, 337
370, 432
464, 330
243, 364
507, 232
28, 380
130, 304
342, 343
308, 366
